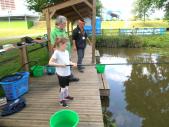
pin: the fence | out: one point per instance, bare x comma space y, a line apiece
14, 58
143, 31
137, 31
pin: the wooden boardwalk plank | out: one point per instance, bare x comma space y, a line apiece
42, 100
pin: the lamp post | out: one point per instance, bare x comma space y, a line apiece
9, 16
25, 18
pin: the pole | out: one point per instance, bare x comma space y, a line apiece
93, 30
9, 14
132, 63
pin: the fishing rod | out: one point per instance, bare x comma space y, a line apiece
137, 63
131, 63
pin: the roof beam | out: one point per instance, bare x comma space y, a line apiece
71, 13
77, 17
54, 8
74, 8
89, 4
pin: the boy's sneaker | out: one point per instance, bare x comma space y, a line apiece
82, 67
73, 79
69, 98
63, 103
80, 70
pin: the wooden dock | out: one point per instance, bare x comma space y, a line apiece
42, 100
104, 86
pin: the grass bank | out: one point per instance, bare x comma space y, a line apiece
134, 24
133, 41
20, 28
10, 67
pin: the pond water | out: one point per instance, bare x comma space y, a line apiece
139, 95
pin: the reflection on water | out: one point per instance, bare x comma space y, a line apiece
139, 95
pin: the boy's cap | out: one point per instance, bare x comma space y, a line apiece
81, 20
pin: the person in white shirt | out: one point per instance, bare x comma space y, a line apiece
60, 59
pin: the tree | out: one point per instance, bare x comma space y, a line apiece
38, 5
99, 7
142, 9
151, 5
166, 16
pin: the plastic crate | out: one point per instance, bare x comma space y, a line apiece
100, 68
16, 88
50, 70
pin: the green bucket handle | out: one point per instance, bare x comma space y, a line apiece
33, 61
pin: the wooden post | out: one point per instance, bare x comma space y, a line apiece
68, 31
72, 22
47, 15
93, 30
24, 58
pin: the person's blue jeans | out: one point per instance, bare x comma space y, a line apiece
80, 54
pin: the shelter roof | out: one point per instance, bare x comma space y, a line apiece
72, 9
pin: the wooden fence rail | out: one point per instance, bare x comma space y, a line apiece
23, 54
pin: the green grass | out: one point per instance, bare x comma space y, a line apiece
19, 32
2, 42
150, 24
158, 41
10, 67
134, 24
41, 55
20, 28
112, 24
13, 25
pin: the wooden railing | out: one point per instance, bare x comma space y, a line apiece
23, 54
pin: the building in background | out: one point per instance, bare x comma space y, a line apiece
16, 10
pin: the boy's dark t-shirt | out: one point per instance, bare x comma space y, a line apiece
80, 38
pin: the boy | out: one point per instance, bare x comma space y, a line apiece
60, 59
79, 37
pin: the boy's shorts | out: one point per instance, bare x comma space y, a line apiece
63, 81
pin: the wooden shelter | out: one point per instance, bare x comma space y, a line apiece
72, 10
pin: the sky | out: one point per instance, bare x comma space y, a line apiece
21, 9
123, 8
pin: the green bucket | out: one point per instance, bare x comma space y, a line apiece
100, 68
37, 71
64, 118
